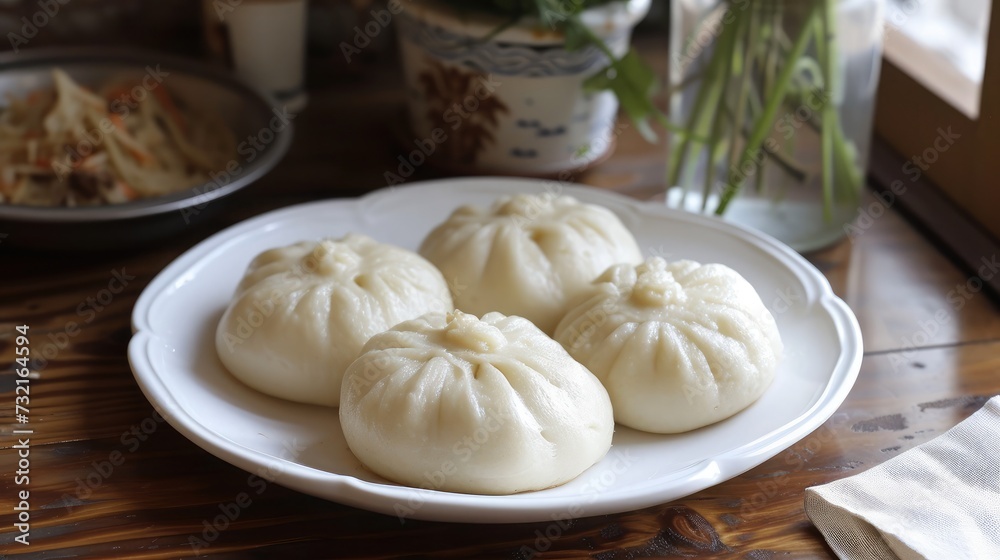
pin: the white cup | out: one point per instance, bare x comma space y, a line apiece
267, 43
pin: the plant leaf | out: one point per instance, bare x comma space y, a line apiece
633, 83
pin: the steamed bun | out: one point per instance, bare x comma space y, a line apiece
528, 255
492, 406
678, 346
302, 313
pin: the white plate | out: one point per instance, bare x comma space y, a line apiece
173, 356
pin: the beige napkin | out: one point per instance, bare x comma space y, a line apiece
937, 500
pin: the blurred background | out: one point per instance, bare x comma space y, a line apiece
352, 85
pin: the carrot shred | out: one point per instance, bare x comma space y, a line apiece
128, 191
116, 119
117, 92
143, 157
163, 96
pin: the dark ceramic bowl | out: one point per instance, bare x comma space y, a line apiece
245, 111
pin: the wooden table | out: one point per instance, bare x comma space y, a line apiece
108, 479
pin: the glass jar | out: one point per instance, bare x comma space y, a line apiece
772, 104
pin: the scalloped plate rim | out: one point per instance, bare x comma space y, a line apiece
524, 507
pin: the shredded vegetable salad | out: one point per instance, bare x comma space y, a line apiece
69, 146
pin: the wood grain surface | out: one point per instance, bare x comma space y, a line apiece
109, 479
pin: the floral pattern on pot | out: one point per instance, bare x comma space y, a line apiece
536, 117
447, 90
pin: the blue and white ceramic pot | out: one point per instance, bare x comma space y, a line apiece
509, 102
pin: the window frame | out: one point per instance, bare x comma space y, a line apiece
910, 118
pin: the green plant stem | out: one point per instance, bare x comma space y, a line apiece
771, 63
706, 99
766, 120
741, 100
770, 70
709, 122
826, 171
788, 165
732, 49
824, 48
847, 163
753, 71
